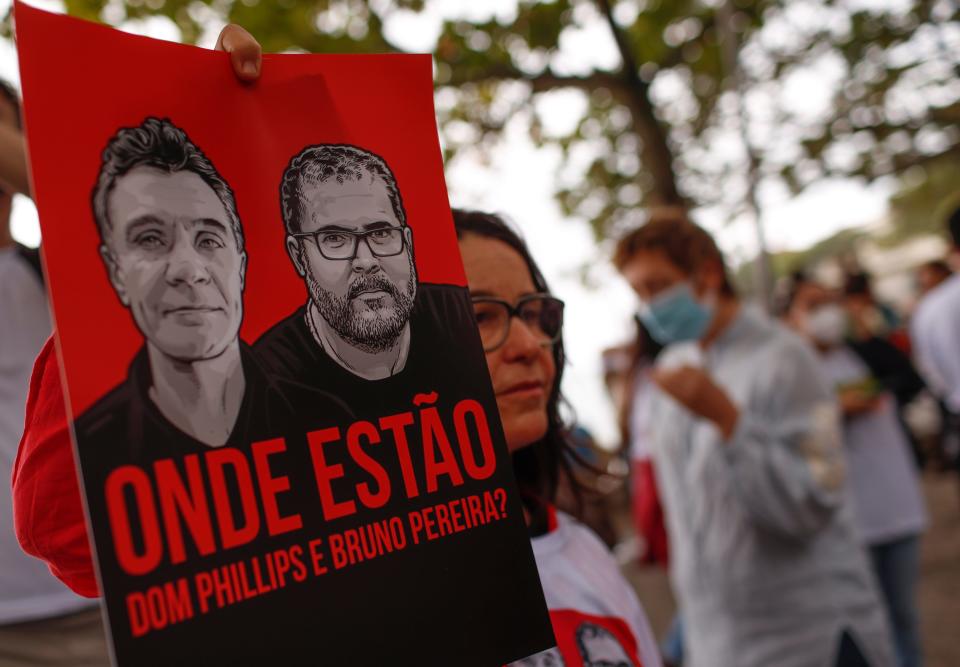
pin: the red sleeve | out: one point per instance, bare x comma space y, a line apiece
48, 514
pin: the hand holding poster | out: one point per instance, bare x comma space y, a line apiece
289, 447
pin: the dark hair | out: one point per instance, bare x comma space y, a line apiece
685, 244
9, 93
953, 225
326, 162
538, 468
938, 266
159, 144
857, 284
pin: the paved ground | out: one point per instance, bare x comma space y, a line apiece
939, 595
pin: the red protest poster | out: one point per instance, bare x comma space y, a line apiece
289, 448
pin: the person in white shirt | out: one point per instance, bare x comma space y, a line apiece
935, 331
596, 616
884, 484
746, 442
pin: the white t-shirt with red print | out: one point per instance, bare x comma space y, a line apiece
597, 618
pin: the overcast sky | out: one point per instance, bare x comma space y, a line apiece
518, 180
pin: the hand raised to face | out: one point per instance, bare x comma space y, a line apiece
696, 391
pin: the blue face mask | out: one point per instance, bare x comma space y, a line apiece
676, 315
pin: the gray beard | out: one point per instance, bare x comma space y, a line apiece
372, 328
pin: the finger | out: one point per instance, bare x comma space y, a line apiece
667, 381
245, 53
659, 376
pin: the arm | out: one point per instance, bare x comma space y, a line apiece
854, 402
48, 514
935, 329
785, 455
891, 367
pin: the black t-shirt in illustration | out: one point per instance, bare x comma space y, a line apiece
445, 357
126, 426
480, 578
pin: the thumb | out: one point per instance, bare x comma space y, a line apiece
245, 53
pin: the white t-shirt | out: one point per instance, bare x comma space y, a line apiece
883, 480
596, 616
27, 589
935, 331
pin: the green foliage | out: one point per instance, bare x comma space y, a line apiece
659, 122
924, 199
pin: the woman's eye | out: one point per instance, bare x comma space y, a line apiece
487, 314
532, 313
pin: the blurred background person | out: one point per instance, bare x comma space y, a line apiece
882, 349
764, 556
883, 480
628, 371
943, 445
931, 274
869, 316
885, 348
935, 330
42, 622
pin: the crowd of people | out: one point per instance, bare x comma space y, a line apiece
772, 468
849, 367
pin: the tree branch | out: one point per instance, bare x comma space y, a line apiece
657, 158
541, 83
630, 69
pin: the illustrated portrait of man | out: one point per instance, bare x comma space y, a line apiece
367, 319
548, 658
173, 247
600, 648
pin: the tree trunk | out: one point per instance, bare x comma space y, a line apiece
656, 156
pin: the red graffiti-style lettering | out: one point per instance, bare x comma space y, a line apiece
398, 424
270, 486
368, 431
136, 480
435, 442
325, 473
176, 503
231, 534
474, 409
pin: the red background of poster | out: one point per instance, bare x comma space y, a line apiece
382, 103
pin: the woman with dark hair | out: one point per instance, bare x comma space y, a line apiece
596, 616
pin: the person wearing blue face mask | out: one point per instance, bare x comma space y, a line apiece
746, 439
676, 314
